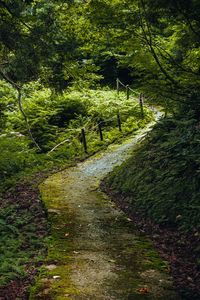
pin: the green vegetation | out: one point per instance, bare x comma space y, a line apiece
57, 120
22, 238
52, 119
161, 179
59, 61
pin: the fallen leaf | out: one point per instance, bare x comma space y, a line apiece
143, 290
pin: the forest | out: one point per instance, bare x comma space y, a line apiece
77, 77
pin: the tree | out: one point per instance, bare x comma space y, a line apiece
38, 41
158, 40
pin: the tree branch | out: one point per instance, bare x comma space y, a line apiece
58, 145
148, 39
18, 88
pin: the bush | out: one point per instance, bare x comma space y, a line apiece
162, 177
66, 110
15, 155
51, 116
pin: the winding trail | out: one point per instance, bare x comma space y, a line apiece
95, 251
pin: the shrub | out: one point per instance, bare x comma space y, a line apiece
15, 155
162, 177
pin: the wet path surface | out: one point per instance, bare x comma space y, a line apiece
95, 251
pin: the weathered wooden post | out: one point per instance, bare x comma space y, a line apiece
119, 122
117, 84
127, 92
84, 140
141, 105
100, 130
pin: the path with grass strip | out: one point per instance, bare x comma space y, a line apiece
95, 251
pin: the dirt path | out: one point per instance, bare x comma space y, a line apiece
95, 252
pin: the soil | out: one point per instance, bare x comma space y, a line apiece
25, 196
179, 249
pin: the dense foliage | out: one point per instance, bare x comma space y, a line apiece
158, 41
152, 44
57, 59
53, 119
162, 178
38, 41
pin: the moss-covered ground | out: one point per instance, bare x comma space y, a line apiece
95, 251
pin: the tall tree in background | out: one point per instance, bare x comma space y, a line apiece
62, 41
38, 41
159, 41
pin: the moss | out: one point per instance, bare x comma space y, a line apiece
93, 248
59, 246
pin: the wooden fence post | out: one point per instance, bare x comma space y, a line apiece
84, 140
119, 122
100, 131
141, 105
127, 92
117, 85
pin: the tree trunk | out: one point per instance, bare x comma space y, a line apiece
26, 119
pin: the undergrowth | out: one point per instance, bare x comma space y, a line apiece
53, 119
56, 121
22, 239
161, 179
